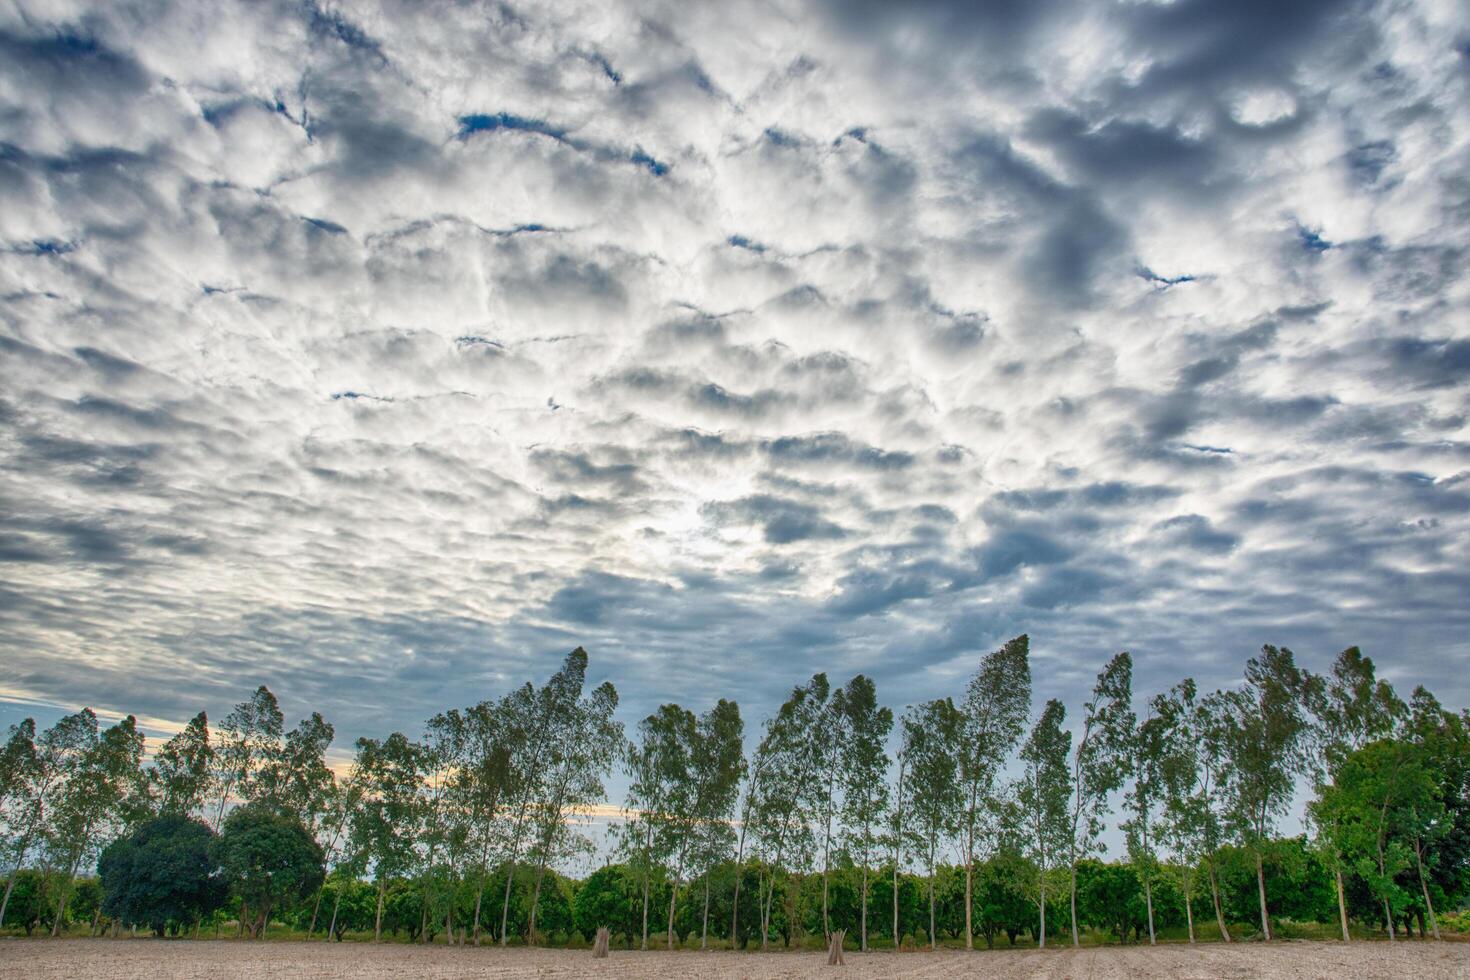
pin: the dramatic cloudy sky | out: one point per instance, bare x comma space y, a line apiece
383, 352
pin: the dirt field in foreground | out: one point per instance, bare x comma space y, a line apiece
141, 959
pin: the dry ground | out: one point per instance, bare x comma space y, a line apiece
143, 959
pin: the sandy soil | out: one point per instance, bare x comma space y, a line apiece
143, 959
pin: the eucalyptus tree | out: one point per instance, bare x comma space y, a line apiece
26, 772
1437, 823
249, 737
1352, 708
1371, 804
657, 766
103, 785
719, 766
183, 770
522, 715
935, 795
993, 716
486, 782
783, 801
385, 828
755, 771
343, 797
441, 755
1149, 751
582, 738
1041, 799
863, 763
827, 739
897, 827
1187, 824
294, 777
1263, 729
1099, 762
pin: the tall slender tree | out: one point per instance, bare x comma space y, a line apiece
1263, 728
1042, 800
249, 738
1099, 762
583, 740
863, 763
936, 797
385, 828
997, 701
1148, 753
719, 765
183, 770
1352, 708
104, 786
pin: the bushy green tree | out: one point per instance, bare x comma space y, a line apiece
161, 873
267, 859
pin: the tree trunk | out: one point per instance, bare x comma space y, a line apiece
315, 908
535, 903
1042, 944
1215, 897
1341, 902
646, 875
704, 930
378, 921
1148, 897
1076, 939
1424, 887
896, 943
970, 872
673, 897
931, 905
1261, 891
336, 904
863, 942
1188, 910
510, 876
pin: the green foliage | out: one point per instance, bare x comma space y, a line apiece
268, 859
163, 872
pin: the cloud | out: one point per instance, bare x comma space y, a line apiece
383, 359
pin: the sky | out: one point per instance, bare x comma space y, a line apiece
382, 353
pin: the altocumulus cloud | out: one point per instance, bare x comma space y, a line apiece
383, 353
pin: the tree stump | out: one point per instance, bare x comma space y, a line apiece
834, 951
599, 945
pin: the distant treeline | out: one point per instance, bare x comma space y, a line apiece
985, 822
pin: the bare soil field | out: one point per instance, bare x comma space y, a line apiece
142, 959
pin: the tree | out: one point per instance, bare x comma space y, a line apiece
1188, 824
1149, 754
786, 794
24, 779
997, 701
863, 765
293, 777
1263, 729
582, 739
102, 783
250, 737
162, 872
486, 781
1042, 799
1352, 708
936, 797
268, 859
182, 773
719, 765
1098, 762
659, 789
1440, 825
386, 826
